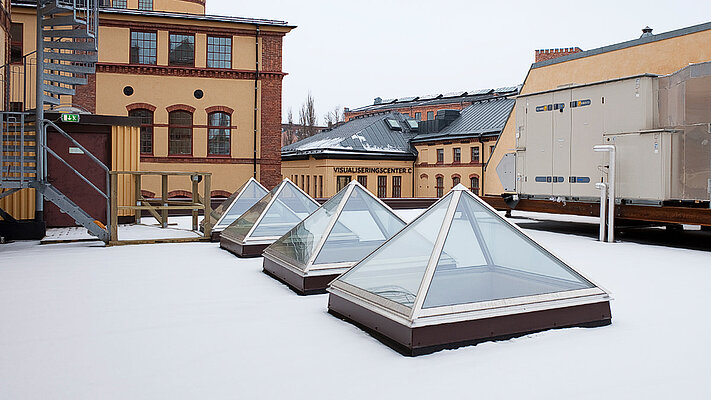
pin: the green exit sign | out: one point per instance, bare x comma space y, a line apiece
70, 117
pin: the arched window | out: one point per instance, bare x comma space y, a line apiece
146, 117
455, 180
218, 134
440, 186
474, 185
180, 132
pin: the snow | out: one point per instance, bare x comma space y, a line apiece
185, 321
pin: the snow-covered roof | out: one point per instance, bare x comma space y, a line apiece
370, 136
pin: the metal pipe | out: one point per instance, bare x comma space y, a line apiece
603, 197
610, 148
39, 116
256, 94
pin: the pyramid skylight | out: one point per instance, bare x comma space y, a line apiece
272, 216
341, 232
239, 202
462, 273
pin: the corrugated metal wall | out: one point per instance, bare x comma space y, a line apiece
125, 156
20, 205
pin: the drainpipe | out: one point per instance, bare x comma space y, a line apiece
39, 118
609, 148
256, 94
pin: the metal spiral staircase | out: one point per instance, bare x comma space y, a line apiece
67, 53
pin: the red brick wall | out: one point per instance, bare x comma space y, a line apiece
548, 54
85, 96
270, 135
270, 140
271, 53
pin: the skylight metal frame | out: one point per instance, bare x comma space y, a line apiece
241, 192
417, 316
310, 268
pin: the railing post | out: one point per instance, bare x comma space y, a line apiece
137, 197
208, 207
164, 200
196, 200
113, 224
609, 148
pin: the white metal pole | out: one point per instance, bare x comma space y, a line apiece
609, 148
603, 199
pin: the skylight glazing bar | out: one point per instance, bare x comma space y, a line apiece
434, 257
331, 224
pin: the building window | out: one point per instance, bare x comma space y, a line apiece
315, 186
363, 180
455, 181
219, 52
418, 116
474, 185
180, 133
457, 155
320, 186
303, 180
475, 154
342, 181
118, 3
382, 186
397, 186
439, 185
146, 117
491, 150
307, 186
145, 5
16, 43
430, 115
218, 134
181, 49
440, 156
143, 47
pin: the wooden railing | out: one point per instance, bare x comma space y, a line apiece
160, 212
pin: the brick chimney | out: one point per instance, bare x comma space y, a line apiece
548, 54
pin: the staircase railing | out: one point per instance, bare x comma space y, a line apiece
13, 141
18, 80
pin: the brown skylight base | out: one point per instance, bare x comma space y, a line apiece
432, 338
215, 236
300, 284
238, 249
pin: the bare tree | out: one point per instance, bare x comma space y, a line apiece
288, 135
334, 117
307, 118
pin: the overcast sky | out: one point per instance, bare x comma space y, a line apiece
347, 53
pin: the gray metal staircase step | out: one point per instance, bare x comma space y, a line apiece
73, 45
16, 147
54, 8
16, 169
65, 79
76, 69
80, 58
27, 159
60, 90
16, 184
51, 100
70, 208
67, 33
18, 138
62, 20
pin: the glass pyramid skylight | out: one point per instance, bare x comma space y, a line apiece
341, 232
239, 202
272, 216
461, 261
